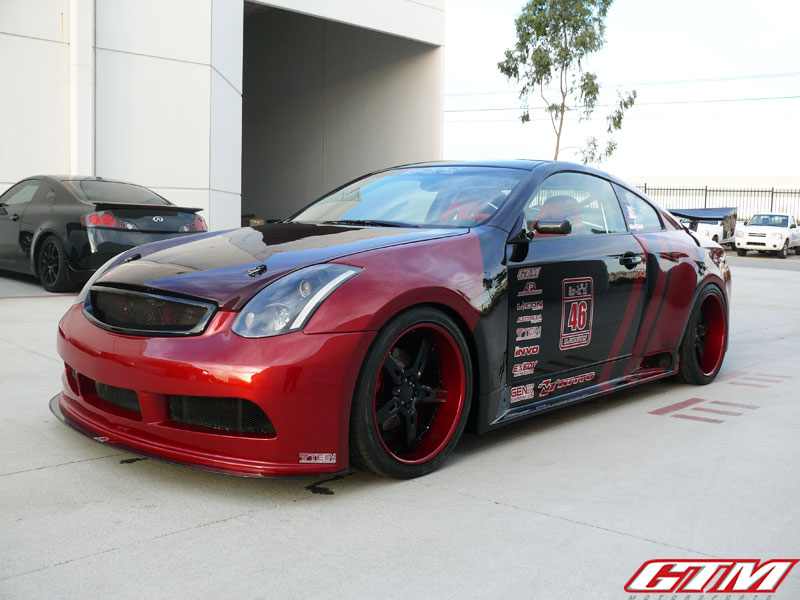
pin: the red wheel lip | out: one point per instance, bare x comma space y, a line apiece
458, 359
716, 335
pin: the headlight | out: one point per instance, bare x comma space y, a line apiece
287, 304
775, 236
740, 233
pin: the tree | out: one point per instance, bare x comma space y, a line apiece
554, 37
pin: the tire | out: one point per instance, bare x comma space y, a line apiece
783, 252
716, 239
51, 266
741, 252
797, 249
416, 377
703, 346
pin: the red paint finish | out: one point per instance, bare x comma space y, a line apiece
719, 412
755, 385
693, 418
736, 404
304, 383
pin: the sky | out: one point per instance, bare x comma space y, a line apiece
692, 64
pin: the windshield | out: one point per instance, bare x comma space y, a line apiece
92, 190
419, 197
769, 220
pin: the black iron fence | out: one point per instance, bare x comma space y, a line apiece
747, 201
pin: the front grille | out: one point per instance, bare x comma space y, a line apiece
228, 414
121, 397
757, 244
759, 235
127, 311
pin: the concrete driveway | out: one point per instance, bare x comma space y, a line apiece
566, 505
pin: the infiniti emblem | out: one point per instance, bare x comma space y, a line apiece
158, 219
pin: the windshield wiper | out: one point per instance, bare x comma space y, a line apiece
372, 222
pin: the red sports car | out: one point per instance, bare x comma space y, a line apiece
379, 322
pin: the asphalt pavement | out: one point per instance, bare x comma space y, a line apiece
566, 505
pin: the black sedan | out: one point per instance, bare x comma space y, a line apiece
62, 228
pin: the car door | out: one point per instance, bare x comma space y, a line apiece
575, 299
12, 206
794, 232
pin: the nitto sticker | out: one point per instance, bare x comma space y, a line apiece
529, 290
528, 333
528, 273
533, 305
525, 351
523, 392
576, 312
526, 368
529, 319
547, 386
318, 457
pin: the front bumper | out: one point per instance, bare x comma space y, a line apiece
303, 383
759, 244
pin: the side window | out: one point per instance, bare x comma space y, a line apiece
21, 193
640, 215
587, 202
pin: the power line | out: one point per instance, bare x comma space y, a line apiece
651, 83
714, 101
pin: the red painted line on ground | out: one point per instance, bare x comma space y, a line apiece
43, 296
720, 412
758, 385
676, 407
731, 375
767, 379
778, 376
703, 419
736, 404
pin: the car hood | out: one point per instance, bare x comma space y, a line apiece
216, 266
764, 229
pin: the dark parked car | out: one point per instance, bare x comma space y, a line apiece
381, 321
62, 228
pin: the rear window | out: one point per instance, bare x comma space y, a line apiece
92, 190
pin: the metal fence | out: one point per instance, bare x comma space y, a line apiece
747, 201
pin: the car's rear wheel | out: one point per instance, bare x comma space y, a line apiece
741, 252
703, 346
412, 397
784, 252
52, 266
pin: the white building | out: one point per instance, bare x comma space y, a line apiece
237, 107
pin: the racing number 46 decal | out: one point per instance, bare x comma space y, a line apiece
577, 308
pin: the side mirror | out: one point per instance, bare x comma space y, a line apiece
553, 226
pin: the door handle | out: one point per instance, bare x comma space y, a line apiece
630, 260
15, 217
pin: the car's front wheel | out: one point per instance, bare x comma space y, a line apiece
413, 395
703, 346
784, 252
52, 266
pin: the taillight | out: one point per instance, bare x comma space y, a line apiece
106, 219
199, 224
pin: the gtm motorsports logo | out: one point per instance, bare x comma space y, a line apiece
728, 579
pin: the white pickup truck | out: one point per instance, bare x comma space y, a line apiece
769, 232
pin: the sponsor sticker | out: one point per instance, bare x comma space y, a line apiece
525, 368
529, 333
577, 308
520, 351
531, 305
548, 386
522, 393
717, 576
528, 273
318, 457
529, 319
530, 289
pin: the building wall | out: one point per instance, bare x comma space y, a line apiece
326, 102
35, 101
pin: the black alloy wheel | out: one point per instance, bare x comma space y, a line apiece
52, 266
413, 395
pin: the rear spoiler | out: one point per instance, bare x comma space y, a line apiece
150, 207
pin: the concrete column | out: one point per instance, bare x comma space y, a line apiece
81, 87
